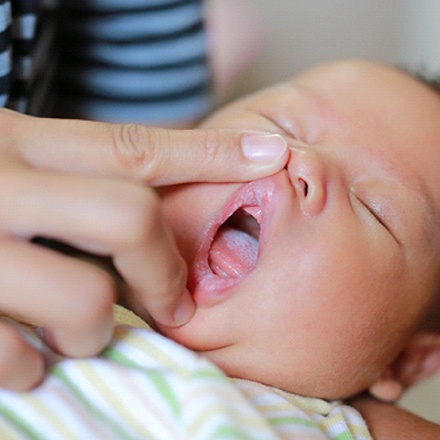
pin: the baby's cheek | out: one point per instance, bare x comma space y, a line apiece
192, 335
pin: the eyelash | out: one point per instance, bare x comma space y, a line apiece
377, 217
374, 214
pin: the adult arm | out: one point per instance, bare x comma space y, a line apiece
386, 421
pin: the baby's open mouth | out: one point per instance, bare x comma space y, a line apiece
234, 244
234, 248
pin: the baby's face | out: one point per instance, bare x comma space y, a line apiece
324, 269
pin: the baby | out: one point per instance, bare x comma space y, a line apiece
314, 280
322, 280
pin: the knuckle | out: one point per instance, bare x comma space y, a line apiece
136, 148
12, 349
21, 369
141, 218
212, 145
131, 215
96, 298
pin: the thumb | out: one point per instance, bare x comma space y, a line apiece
156, 156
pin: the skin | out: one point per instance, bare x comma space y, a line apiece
90, 185
388, 422
347, 268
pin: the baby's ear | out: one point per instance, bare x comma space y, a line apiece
419, 360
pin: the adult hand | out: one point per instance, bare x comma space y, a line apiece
89, 184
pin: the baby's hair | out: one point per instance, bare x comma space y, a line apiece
429, 79
432, 80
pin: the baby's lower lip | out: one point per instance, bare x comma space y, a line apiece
211, 286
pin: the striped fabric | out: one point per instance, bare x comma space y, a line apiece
113, 60
144, 386
134, 60
5, 51
297, 417
17, 30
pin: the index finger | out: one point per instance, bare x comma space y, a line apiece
156, 156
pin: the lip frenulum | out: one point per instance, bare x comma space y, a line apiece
206, 286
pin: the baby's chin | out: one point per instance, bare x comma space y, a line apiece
232, 361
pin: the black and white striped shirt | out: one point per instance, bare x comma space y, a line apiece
17, 30
118, 60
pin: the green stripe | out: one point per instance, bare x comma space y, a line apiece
210, 373
19, 423
150, 348
231, 432
165, 391
115, 355
160, 383
293, 420
61, 375
344, 436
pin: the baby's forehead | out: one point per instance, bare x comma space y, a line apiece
371, 100
348, 81
355, 73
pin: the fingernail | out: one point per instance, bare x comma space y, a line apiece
263, 147
185, 311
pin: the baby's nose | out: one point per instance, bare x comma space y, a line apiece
309, 176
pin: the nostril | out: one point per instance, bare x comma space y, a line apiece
309, 171
303, 186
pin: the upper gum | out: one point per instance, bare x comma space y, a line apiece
254, 211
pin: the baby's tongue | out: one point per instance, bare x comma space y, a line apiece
233, 253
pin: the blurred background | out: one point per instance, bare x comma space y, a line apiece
302, 33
